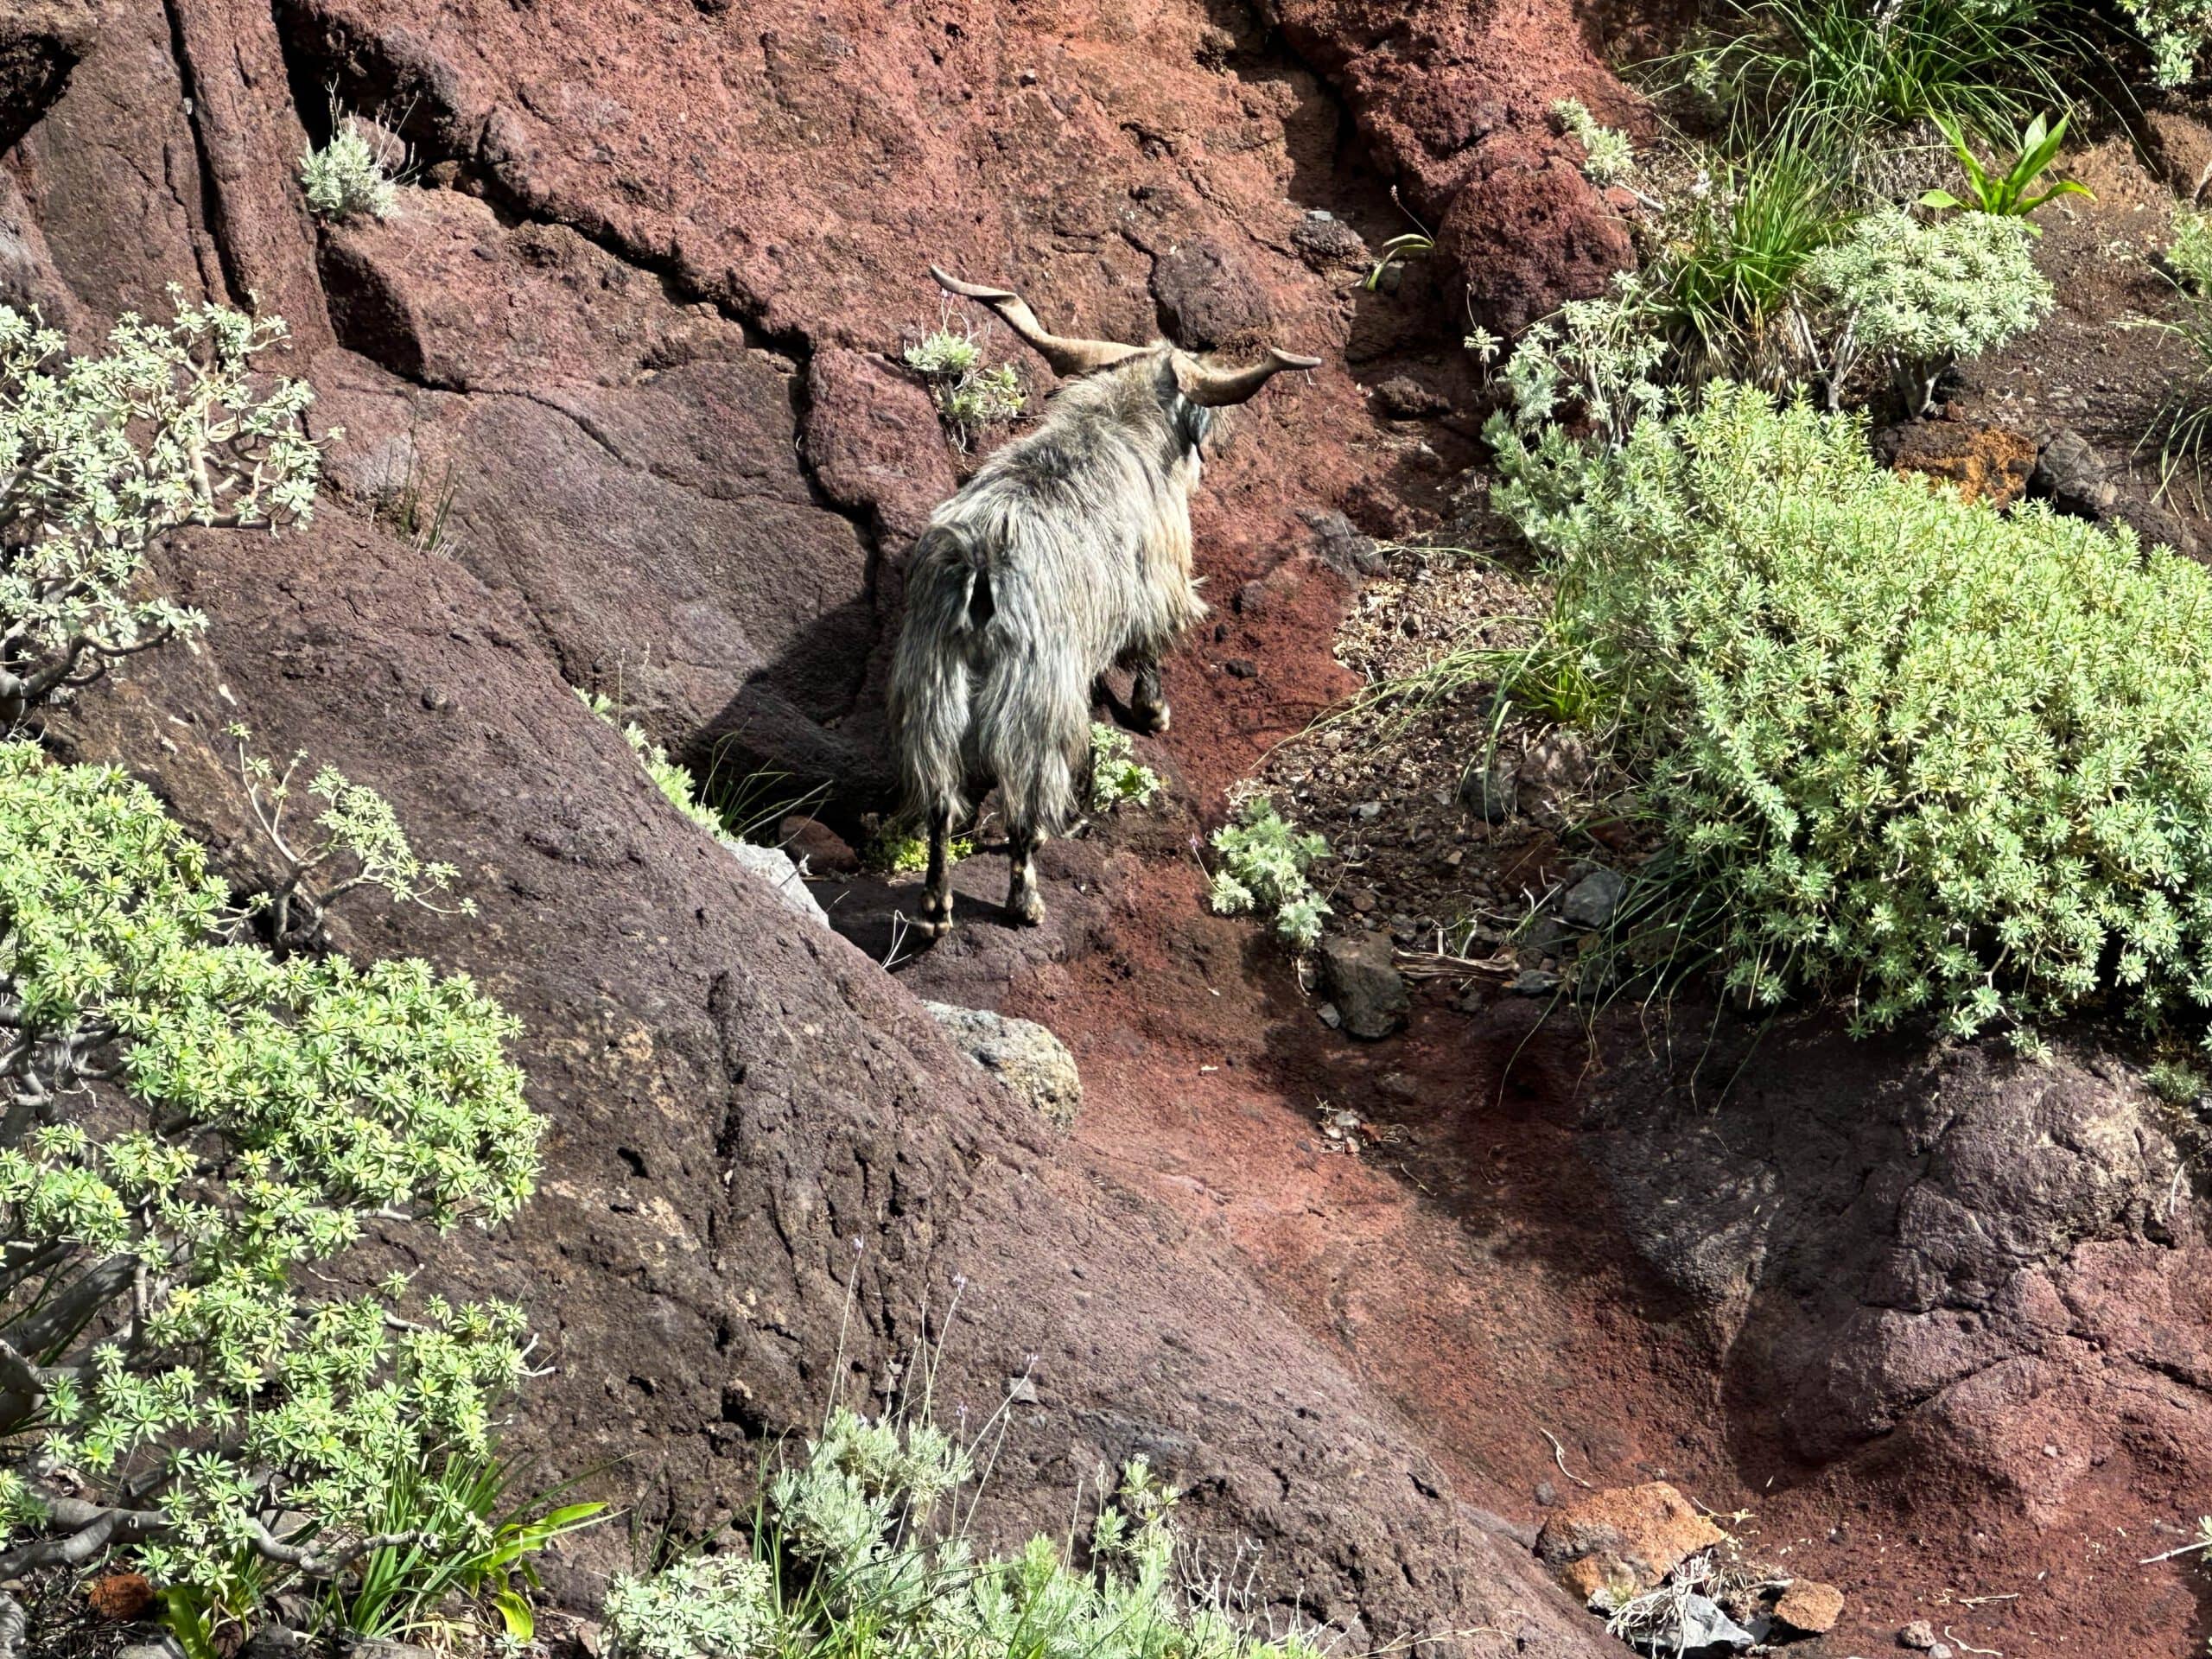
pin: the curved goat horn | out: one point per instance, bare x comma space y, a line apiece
1065, 355
1215, 388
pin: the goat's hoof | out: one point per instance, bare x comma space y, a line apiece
1154, 720
934, 927
1026, 911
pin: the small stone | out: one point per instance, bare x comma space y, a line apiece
1022, 1390
1941, 1651
1536, 981
1489, 791
1590, 902
1365, 985
1330, 1015
1368, 810
1547, 1494
1364, 900
1810, 1606
1404, 399
1599, 1581
1919, 1635
1241, 668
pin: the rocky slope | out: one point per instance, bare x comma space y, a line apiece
634, 309
1940, 1323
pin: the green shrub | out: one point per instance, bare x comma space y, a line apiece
165, 1384
101, 457
1915, 754
2190, 252
1608, 157
851, 1555
970, 395
2176, 1082
1264, 859
1921, 297
1115, 775
349, 177
2176, 31
1729, 262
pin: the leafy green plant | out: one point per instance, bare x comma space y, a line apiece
350, 177
1608, 157
355, 841
1924, 757
2005, 194
102, 457
1264, 859
2190, 255
858, 1551
2176, 32
1116, 774
486, 1536
2176, 1082
903, 853
1920, 298
971, 395
1408, 244
1597, 361
166, 1386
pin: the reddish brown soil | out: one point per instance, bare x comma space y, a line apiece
1462, 1258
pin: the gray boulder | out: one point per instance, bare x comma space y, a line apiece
1358, 975
1022, 1054
774, 866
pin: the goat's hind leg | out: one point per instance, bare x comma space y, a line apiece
1023, 902
1147, 704
937, 893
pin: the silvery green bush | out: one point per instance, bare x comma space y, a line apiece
2176, 32
189, 1122
852, 1555
1117, 775
349, 177
1918, 755
1264, 861
1920, 296
102, 456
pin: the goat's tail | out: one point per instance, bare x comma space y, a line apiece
933, 671
1033, 703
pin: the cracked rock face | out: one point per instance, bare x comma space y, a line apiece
1970, 1259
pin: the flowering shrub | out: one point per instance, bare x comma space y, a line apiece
1916, 753
100, 457
1264, 859
187, 1119
847, 1559
1921, 297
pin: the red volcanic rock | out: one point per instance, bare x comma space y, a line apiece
1528, 232
1650, 1529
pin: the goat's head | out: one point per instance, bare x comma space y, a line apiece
1184, 377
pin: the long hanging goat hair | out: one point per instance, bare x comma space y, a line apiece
1068, 553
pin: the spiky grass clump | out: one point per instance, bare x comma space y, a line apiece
350, 177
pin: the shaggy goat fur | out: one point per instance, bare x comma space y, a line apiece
1067, 553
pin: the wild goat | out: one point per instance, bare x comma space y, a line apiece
1068, 553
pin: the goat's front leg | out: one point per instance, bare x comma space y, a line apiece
1147, 705
937, 893
1023, 902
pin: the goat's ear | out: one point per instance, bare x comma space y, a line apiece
1191, 421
